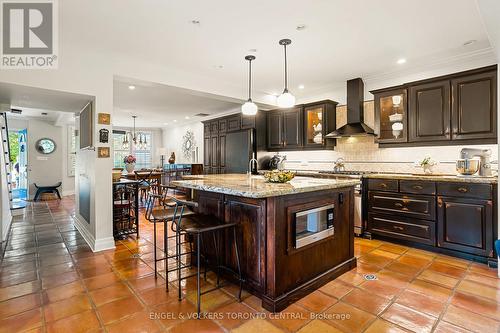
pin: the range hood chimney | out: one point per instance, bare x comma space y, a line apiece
355, 112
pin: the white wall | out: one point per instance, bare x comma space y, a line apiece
172, 140
68, 187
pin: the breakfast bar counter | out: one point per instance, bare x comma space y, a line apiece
293, 237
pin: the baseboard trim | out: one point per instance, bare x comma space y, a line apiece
95, 244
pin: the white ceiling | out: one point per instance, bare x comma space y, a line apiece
158, 105
41, 99
343, 38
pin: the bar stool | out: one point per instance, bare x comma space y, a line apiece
159, 209
196, 225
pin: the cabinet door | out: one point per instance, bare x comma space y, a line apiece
474, 106
234, 123
314, 126
214, 149
207, 153
222, 151
391, 123
292, 128
430, 112
206, 130
274, 129
466, 225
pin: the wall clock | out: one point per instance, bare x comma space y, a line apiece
45, 146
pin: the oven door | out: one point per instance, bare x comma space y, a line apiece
313, 225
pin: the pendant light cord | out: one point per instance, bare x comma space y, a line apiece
249, 80
286, 72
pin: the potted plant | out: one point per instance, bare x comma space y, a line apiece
129, 163
427, 164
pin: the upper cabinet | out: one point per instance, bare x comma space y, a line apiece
474, 106
319, 120
301, 127
458, 107
430, 111
391, 122
284, 130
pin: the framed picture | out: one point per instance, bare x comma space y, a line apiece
103, 152
104, 118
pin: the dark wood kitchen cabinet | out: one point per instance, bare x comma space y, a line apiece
451, 217
284, 129
466, 225
459, 108
319, 120
391, 109
430, 111
474, 113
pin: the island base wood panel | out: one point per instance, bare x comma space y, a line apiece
272, 268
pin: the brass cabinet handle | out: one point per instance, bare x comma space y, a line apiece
383, 185
462, 189
418, 187
398, 204
397, 227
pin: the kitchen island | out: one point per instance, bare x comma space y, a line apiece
293, 237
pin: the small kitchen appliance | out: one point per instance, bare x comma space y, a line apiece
468, 164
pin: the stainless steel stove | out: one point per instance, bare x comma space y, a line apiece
358, 195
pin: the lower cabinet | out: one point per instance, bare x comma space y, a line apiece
456, 217
465, 225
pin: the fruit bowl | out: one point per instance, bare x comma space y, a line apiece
279, 176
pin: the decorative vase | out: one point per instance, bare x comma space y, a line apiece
171, 160
130, 167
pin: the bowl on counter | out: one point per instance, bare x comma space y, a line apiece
278, 176
467, 167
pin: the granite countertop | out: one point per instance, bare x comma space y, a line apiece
255, 186
437, 177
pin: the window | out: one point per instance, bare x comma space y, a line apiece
143, 156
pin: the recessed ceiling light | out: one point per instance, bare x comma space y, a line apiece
131, 87
300, 27
470, 42
186, 117
401, 61
301, 86
175, 120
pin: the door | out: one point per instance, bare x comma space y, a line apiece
222, 151
314, 126
274, 130
474, 106
214, 147
430, 112
391, 120
207, 155
292, 129
465, 225
19, 163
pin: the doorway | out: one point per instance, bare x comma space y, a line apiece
19, 163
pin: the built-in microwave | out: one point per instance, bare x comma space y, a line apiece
313, 225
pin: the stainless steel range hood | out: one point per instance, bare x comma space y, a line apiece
355, 113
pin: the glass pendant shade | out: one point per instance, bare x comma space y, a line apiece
249, 108
286, 100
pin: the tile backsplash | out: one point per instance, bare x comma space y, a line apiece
363, 153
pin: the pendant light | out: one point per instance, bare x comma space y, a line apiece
249, 108
286, 99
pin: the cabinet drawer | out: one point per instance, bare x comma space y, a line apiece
383, 185
465, 190
423, 207
403, 228
417, 187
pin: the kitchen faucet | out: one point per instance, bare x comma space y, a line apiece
483, 154
250, 166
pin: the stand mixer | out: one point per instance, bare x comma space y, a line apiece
466, 154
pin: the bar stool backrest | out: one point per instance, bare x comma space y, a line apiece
180, 205
151, 202
143, 176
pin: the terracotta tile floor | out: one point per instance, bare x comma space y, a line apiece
50, 281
